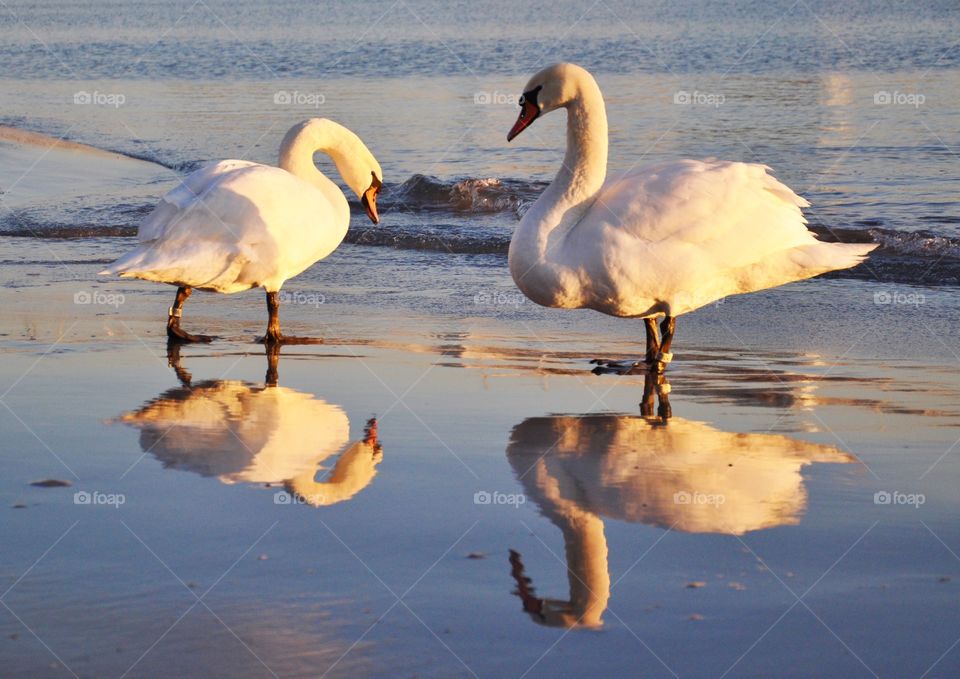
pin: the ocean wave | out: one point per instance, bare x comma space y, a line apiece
452, 241
48, 222
423, 193
920, 243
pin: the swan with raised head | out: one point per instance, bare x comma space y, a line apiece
235, 225
660, 240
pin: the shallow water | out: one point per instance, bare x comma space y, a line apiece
780, 464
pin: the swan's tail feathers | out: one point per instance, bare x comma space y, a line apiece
214, 266
823, 257
127, 265
799, 263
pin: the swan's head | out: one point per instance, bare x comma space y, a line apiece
552, 88
365, 178
362, 173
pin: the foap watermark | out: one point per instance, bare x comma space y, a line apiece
684, 497
496, 98
895, 497
697, 98
95, 98
97, 298
97, 498
896, 98
282, 497
298, 98
300, 298
499, 298
896, 298
483, 497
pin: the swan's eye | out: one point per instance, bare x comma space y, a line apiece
521, 101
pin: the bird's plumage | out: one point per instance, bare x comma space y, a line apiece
662, 239
234, 225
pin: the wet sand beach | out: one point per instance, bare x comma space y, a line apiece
794, 506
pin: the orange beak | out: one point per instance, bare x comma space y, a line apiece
370, 204
369, 199
528, 113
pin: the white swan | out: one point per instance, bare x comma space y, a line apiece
660, 240
236, 225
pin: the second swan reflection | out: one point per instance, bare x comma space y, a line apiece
260, 434
675, 474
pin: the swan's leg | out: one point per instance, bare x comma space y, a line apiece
629, 366
653, 341
174, 332
274, 336
667, 328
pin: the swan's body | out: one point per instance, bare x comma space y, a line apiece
235, 225
659, 240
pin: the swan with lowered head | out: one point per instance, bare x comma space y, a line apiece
659, 240
235, 225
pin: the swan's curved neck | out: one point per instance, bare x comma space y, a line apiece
576, 185
297, 149
322, 135
584, 166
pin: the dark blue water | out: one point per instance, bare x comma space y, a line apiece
185, 40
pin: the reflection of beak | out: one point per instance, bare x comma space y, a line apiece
369, 201
528, 113
370, 437
531, 603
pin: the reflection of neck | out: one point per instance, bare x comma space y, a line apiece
586, 549
353, 472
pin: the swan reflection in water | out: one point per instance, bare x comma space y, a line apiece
262, 434
673, 473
